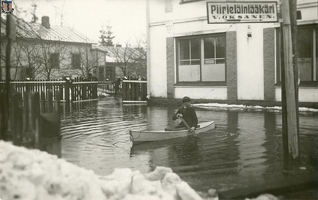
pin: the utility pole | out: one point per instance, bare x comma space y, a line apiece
289, 83
11, 34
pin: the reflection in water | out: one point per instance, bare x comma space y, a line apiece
244, 150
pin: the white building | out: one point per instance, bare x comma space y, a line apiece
230, 62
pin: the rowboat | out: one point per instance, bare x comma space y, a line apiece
148, 136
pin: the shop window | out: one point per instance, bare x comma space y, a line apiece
201, 59
307, 60
54, 60
76, 61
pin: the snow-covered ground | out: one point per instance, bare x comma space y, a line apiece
34, 175
245, 107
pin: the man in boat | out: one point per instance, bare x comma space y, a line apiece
188, 113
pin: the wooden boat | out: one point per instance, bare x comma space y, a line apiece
148, 136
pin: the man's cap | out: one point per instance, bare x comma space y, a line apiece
186, 99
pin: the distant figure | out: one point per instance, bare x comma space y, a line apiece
186, 112
117, 84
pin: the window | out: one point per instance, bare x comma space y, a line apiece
101, 73
76, 61
27, 73
54, 60
201, 59
110, 73
307, 54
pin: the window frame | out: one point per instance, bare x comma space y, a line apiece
199, 83
54, 60
73, 62
313, 83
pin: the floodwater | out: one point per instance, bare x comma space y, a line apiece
244, 150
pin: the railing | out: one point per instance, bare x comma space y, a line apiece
77, 90
134, 91
106, 86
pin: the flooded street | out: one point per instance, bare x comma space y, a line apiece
245, 149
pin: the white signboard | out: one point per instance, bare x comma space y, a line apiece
241, 12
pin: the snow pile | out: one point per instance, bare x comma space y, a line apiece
245, 107
32, 174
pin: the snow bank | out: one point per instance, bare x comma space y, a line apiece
245, 107
32, 174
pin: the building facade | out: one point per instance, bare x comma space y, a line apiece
228, 61
122, 62
45, 51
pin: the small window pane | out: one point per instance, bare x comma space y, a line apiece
184, 49
209, 48
195, 62
54, 60
304, 60
220, 47
184, 62
304, 42
76, 61
195, 49
220, 61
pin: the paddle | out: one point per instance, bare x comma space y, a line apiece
188, 127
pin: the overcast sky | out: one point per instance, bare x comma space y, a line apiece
127, 17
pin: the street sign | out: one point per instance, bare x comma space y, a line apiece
241, 12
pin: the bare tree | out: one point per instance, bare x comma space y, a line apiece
30, 58
106, 36
128, 59
142, 57
16, 60
51, 56
87, 61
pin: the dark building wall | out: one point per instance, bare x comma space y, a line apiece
170, 67
231, 65
269, 64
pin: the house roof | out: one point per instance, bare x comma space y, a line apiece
38, 31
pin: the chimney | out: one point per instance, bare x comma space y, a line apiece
46, 22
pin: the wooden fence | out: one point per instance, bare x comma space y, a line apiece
134, 91
34, 121
107, 86
77, 90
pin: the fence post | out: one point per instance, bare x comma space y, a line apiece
16, 122
42, 103
35, 119
26, 111
129, 91
73, 88
50, 101
94, 90
133, 91
138, 87
67, 94
84, 91
124, 91
3, 114
143, 91
57, 102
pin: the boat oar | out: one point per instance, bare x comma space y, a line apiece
188, 127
